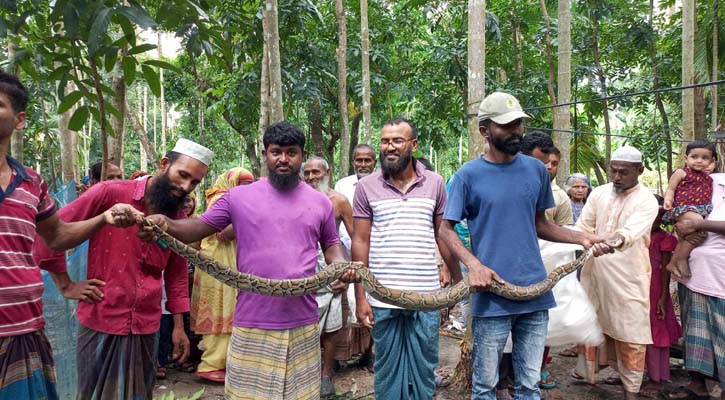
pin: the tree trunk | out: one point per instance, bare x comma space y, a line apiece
118, 126
658, 99
48, 144
318, 144
143, 111
563, 118
162, 100
354, 134
16, 140
271, 37
688, 73
342, 87
365, 47
550, 60
143, 137
263, 103
68, 153
102, 112
714, 123
602, 88
517, 47
700, 114
476, 73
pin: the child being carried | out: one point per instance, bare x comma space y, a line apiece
689, 196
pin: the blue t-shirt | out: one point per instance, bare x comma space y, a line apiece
500, 201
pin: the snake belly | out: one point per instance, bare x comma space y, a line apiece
443, 298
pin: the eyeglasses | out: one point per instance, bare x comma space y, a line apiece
396, 142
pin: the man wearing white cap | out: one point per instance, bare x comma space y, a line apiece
504, 195
121, 308
619, 284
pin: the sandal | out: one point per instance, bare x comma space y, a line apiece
570, 352
577, 375
160, 373
546, 382
214, 376
690, 395
503, 394
613, 380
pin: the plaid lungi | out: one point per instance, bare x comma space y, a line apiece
27, 370
274, 364
115, 367
703, 325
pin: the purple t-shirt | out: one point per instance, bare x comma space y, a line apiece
277, 235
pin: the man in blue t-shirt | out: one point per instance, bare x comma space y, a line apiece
503, 196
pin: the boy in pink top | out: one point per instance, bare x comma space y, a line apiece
274, 350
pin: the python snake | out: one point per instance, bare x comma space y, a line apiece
443, 298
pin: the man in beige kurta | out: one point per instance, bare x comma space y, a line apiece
618, 284
562, 214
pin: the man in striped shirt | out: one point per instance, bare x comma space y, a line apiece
27, 370
397, 211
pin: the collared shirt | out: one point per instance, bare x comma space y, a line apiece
402, 237
24, 203
707, 261
618, 284
131, 268
346, 186
562, 213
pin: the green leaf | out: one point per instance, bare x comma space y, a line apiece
70, 20
142, 48
152, 79
128, 32
129, 70
162, 64
3, 28
9, 5
114, 111
99, 30
79, 118
109, 60
138, 16
96, 114
69, 101
58, 73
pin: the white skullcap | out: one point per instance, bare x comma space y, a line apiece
193, 150
628, 154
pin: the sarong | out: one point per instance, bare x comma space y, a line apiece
27, 370
115, 367
406, 353
703, 324
274, 364
329, 309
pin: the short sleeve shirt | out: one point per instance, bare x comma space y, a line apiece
24, 203
277, 237
402, 237
500, 202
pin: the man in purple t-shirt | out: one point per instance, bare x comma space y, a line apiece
274, 350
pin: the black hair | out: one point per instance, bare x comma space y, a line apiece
555, 150
397, 121
660, 199
283, 134
537, 139
11, 86
172, 156
701, 144
425, 163
95, 171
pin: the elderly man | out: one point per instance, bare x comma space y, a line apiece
363, 164
279, 222
397, 212
120, 320
316, 173
618, 284
703, 301
504, 218
27, 369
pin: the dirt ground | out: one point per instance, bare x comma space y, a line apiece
353, 382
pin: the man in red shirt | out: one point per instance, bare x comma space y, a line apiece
117, 340
27, 370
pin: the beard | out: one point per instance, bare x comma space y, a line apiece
361, 175
161, 198
284, 182
391, 168
510, 145
323, 185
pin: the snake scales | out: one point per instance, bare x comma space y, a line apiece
415, 301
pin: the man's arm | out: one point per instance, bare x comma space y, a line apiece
479, 276
345, 212
360, 252
87, 290
176, 284
686, 227
187, 230
60, 235
450, 260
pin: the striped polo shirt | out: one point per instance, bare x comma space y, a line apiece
402, 237
23, 203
